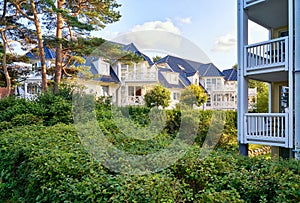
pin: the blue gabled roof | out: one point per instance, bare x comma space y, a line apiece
209, 70
162, 80
103, 78
49, 54
187, 68
184, 67
230, 74
132, 48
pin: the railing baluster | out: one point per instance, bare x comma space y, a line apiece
274, 126
282, 124
278, 127
263, 126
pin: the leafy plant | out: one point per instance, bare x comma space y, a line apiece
158, 96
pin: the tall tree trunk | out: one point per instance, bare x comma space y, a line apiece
58, 60
7, 77
41, 46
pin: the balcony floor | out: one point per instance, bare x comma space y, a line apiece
280, 76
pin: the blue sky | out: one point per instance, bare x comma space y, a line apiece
209, 24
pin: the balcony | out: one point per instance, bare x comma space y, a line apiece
268, 13
267, 57
267, 129
141, 77
135, 100
230, 105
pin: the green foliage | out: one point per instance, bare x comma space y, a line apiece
49, 108
156, 58
158, 96
48, 164
193, 94
262, 104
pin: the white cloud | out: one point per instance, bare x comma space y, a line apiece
167, 26
225, 43
108, 35
164, 42
186, 20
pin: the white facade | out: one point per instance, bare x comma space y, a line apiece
135, 80
222, 93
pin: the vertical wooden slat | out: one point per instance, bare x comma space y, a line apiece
263, 126
274, 127
282, 126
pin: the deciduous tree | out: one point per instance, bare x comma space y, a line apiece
158, 96
193, 94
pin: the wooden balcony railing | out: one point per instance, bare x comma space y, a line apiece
267, 128
135, 100
265, 55
224, 105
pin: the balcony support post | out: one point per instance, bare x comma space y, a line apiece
242, 80
297, 78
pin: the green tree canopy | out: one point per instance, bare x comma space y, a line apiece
156, 58
193, 94
158, 96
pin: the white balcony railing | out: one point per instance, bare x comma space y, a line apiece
135, 100
224, 105
222, 88
265, 55
144, 76
267, 128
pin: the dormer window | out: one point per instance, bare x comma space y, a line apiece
171, 77
103, 68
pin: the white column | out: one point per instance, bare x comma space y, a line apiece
297, 79
25, 89
242, 81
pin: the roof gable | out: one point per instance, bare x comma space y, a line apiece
209, 70
34, 54
230, 74
112, 77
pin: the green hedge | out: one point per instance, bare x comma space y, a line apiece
49, 164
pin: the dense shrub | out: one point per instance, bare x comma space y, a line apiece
49, 164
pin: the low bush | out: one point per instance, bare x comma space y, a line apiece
49, 164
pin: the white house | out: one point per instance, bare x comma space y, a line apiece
31, 83
221, 87
277, 62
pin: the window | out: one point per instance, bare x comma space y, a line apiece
176, 96
123, 71
208, 84
134, 91
105, 90
208, 102
33, 88
172, 78
103, 68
